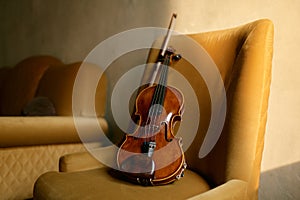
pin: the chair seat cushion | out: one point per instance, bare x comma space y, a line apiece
99, 184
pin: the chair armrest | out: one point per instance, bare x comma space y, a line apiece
78, 162
19, 131
233, 189
85, 161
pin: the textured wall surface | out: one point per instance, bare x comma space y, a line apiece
71, 29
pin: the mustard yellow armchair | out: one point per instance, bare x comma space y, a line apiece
231, 170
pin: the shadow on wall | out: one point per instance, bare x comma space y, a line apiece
281, 183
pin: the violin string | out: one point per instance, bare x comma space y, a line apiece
158, 98
163, 86
147, 127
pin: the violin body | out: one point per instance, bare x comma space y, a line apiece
152, 155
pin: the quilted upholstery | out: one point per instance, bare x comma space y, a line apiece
17, 163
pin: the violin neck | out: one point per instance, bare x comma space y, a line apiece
159, 93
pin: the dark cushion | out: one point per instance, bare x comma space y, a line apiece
39, 106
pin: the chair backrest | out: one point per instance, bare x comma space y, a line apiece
58, 84
19, 84
243, 56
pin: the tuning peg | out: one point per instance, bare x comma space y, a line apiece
176, 57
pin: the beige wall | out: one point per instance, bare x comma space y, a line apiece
70, 29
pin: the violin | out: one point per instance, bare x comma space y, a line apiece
152, 155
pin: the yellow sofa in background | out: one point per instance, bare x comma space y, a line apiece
36, 122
